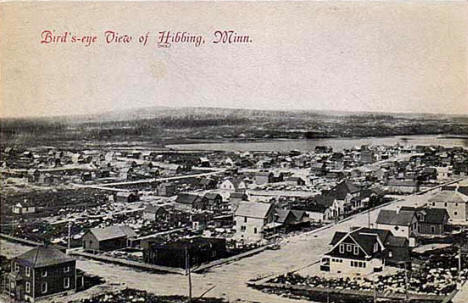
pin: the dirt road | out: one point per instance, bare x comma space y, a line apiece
296, 252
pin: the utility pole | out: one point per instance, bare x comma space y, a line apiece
406, 284
187, 270
368, 217
459, 264
375, 291
69, 234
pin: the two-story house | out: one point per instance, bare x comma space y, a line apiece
455, 202
364, 250
402, 222
40, 273
251, 219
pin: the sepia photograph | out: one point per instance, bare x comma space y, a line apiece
234, 151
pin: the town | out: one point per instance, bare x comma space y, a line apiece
363, 223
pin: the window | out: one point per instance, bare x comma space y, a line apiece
433, 203
456, 204
397, 228
376, 247
255, 230
44, 287
243, 228
356, 250
349, 247
455, 213
16, 267
66, 283
433, 229
44, 273
245, 219
341, 248
28, 287
445, 204
390, 254
66, 269
28, 271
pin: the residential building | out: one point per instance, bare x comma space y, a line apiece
183, 252
365, 250
402, 222
40, 273
155, 213
251, 219
108, 238
455, 202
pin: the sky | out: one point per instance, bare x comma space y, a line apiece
379, 56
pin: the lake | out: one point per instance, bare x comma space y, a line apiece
338, 144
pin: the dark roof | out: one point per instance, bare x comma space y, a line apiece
337, 237
191, 243
112, 232
42, 256
324, 200
212, 196
238, 195
154, 209
367, 237
299, 214
341, 190
187, 198
392, 217
284, 216
433, 215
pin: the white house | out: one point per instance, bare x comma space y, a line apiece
454, 202
251, 219
233, 185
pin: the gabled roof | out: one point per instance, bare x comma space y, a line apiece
391, 217
337, 237
42, 256
235, 181
284, 215
342, 189
153, 209
366, 238
253, 209
112, 232
299, 214
432, 215
449, 197
324, 200
212, 196
185, 198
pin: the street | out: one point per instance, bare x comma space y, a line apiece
297, 252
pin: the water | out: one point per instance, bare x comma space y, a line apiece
338, 144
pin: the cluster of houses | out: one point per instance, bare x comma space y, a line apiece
336, 184
364, 250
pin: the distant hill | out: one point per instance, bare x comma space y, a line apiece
169, 125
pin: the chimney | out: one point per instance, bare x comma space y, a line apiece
398, 209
